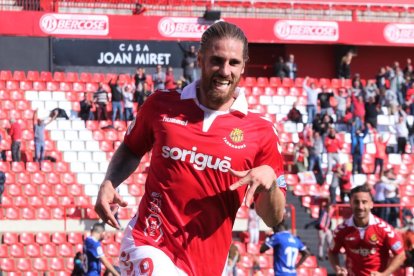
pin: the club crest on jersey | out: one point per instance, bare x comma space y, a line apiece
373, 239
235, 139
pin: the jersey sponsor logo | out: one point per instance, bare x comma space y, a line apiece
74, 24
399, 33
306, 30
182, 27
349, 238
363, 251
174, 121
200, 161
396, 246
236, 137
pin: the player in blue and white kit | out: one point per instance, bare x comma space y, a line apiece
286, 249
93, 253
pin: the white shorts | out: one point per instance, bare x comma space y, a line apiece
144, 260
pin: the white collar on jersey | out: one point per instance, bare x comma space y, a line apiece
372, 220
240, 104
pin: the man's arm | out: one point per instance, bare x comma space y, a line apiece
270, 206
303, 255
108, 265
334, 260
264, 248
122, 165
395, 263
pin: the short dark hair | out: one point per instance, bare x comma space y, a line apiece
223, 29
361, 189
98, 227
280, 227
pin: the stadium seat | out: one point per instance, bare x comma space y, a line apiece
75, 238
42, 238
40, 264
35, 201
58, 238
49, 250
65, 250
4, 251
112, 250
57, 264
30, 190
16, 250
10, 238
43, 213
33, 250
28, 213
246, 261
57, 213
7, 265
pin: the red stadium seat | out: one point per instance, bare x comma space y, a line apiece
20, 201
10, 238
7, 265
30, 190
65, 250
40, 264
61, 190
42, 238
33, 250
51, 201
28, 213
17, 250
112, 250
33, 75
24, 265
57, 264
43, 213
36, 201
49, 250
75, 238
32, 167
71, 76
57, 213
4, 251
26, 238
6, 75
58, 237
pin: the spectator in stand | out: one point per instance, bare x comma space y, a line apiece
357, 88
78, 265
291, 67
280, 68
253, 225
285, 251
169, 79
101, 99
116, 99
372, 110
159, 78
39, 135
315, 149
408, 69
397, 82
401, 132
366, 240
344, 71
380, 152
379, 198
333, 144
232, 260
410, 91
345, 184
358, 110
86, 105
15, 133
323, 225
294, 114
189, 63
357, 147
324, 99
391, 196
2, 182
312, 99
408, 238
301, 154
334, 185
371, 90
2, 151
341, 100
391, 101
128, 97
325, 122
93, 251
381, 78
139, 79
411, 135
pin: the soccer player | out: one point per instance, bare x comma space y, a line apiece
286, 249
366, 239
93, 253
208, 152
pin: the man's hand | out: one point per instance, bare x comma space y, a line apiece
259, 179
107, 204
341, 271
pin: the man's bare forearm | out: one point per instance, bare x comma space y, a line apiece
270, 206
122, 165
395, 263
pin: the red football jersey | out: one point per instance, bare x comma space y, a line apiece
367, 249
188, 210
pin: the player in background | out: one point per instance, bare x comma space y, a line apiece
366, 239
93, 254
286, 249
208, 152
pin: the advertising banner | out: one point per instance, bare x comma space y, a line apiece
91, 52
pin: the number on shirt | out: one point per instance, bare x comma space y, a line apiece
291, 255
146, 266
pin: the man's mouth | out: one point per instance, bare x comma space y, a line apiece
222, 83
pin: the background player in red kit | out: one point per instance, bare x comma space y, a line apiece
208, 152
366, 239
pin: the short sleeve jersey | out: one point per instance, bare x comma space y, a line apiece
366, 249
92, 250
286, 249
188, 210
